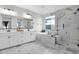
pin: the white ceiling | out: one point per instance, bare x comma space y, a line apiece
43, 9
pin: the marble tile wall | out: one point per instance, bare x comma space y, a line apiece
70, 31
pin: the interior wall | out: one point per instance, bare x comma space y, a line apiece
37, 24
69, 32
37, 19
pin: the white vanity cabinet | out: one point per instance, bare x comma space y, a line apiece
21, 37
10, 39
32, 36
7, 40
4, 41
26, 37
13, 40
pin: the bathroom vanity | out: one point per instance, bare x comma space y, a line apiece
10, 39
12, 31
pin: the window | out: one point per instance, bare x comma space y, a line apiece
49, 22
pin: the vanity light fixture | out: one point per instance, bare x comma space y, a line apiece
4, 8
27, 16
8, 11
77, 9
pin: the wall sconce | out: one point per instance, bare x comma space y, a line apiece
76, 11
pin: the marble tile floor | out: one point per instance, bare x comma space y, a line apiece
34, 48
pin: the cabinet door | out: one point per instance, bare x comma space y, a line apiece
20, 37
4, 42
32, 36
25, 37
13, 40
